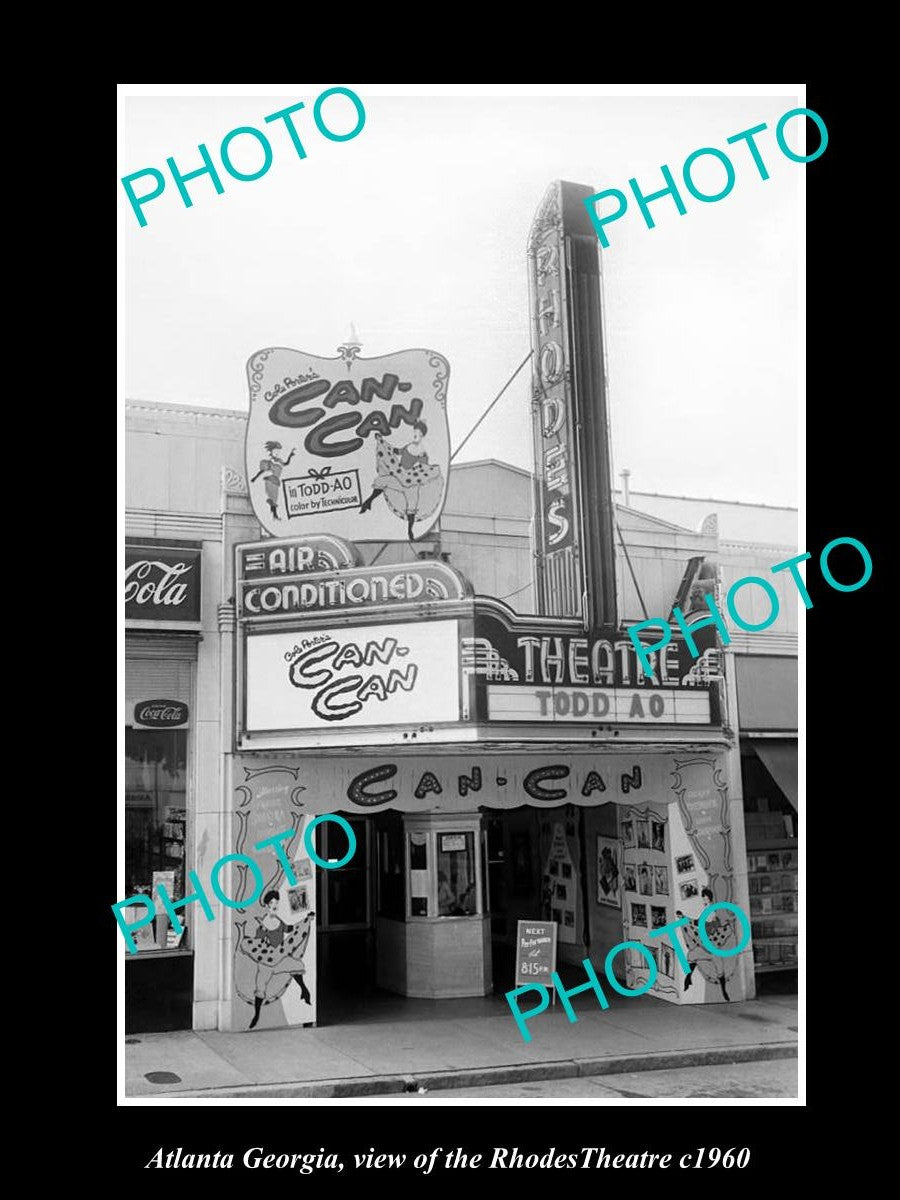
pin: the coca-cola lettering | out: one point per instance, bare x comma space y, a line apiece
142, 586
160, 713
162, 583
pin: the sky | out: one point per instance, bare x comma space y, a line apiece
415, 231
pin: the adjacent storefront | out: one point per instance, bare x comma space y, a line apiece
767, 705
162, 609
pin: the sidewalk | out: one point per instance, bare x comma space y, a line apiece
414, 1044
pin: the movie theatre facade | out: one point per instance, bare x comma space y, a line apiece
493, 767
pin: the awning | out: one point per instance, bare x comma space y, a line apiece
779, 757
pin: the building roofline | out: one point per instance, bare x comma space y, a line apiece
707, 500
234, 414
645, 516
494, 462
185, 410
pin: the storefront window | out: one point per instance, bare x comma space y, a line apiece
456, 874
155, 823
770, 821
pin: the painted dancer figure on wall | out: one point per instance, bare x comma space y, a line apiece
277, 949
411, 486
270, 468
721, 930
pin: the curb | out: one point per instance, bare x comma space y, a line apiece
395, 1085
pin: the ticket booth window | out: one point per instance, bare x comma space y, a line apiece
456, 874
443, 869
420, 881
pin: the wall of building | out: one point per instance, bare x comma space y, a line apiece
485, 530
185, 479
175, 455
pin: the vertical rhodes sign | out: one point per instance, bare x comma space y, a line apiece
574, 550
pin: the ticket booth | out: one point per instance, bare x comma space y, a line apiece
438, 944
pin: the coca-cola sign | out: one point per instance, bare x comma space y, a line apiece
162, 583
160, 714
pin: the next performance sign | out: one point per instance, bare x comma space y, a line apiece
535, 951
663, 706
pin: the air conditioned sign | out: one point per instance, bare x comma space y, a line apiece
285, 557
162, 583
357, 588
374, 675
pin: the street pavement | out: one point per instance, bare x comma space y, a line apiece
734, 1080
472, 1043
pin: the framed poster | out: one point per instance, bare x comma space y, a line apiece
639, 914
608, 871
